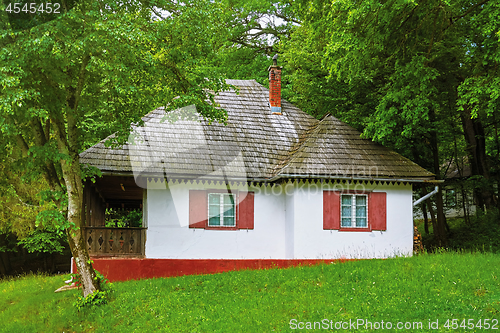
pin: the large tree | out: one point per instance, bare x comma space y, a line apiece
94, 69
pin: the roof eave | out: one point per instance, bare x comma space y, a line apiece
408, 180
281, 176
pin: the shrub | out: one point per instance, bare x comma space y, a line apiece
481, 234
96, 298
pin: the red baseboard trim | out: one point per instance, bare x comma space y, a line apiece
124, 269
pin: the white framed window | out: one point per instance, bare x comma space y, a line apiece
221, 210
354, 211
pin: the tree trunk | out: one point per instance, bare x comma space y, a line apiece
465, 204
476, 147
426, 219
424, 212
433, 216
68, 142
71, 172
440, 231
441, 218
76, 239
498, 194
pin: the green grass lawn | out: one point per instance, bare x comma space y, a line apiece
419, 289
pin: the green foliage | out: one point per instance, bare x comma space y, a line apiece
244, 64
440, 286
254, 31
399, 70
54, 219
132, 65
408, 74
42, 240
480, 234
257, 25
18, 202
28, 213
97, 298
120, 219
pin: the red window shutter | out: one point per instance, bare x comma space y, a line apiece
198, 209
331, 210
377, 210
246, 209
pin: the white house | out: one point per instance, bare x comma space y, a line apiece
273, 187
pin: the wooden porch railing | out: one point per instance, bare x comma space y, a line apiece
106, 241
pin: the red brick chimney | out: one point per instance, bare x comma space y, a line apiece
275, 86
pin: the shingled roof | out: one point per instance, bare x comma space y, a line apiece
254, 145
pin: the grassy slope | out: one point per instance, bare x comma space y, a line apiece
439, 286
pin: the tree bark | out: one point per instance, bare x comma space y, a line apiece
88, 277
465, 204
440, 233
424, 212
76, 239
426, 219
433, 215
476, 148
73, 181
440, 230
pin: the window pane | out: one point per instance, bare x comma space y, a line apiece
360, 200
229, 221
228, 199
214, 221
346, 200
361, 222
346, 222
360, 211
213, 198
346, 211
213, 210
229, 211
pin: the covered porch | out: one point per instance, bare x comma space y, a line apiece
115, 225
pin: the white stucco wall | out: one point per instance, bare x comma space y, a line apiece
288, 224
169, 235
311, 241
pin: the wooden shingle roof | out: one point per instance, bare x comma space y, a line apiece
254, 145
